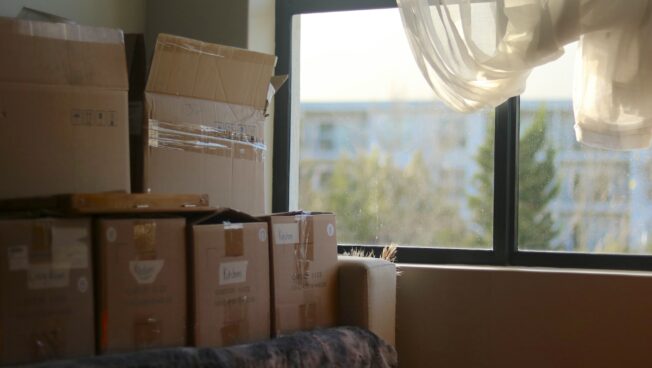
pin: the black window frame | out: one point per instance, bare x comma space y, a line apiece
504, 251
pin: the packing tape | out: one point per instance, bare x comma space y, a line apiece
231, 334
145, 240
307, 236
47, 343
189, 47
204, 139
234, 240
41, 247
67, 32
308, 315
235, 320
147, 332
304, 250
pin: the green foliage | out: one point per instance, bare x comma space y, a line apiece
378, 202
538, 186
482, 203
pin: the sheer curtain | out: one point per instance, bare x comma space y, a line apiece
478, 53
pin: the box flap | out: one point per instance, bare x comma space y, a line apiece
62, 54
275, 83
197, 69
223, 215
33, 14
296, 213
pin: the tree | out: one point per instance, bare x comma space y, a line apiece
538, 186
379, 202
482, 203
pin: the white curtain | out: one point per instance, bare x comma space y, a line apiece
478, 53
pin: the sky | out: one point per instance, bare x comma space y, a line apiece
365, 56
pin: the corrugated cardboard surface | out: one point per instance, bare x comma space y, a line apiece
196, 69
142, 283
205, 107
63, 109
231, 284
46, 290
304, 271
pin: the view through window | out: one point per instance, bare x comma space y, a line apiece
377, 148
574, 198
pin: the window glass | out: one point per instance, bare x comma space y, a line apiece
376, 147
574, 198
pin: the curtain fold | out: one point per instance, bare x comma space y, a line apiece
478, 53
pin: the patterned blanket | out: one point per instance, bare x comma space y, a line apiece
333, 347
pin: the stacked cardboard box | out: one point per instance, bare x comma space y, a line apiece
205, 108
142, 283
230, 272
303, 253
63, 109
63, 106
139, 264
46, 289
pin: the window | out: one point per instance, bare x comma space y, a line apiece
326, 137
574, 198
506, 187
399, 168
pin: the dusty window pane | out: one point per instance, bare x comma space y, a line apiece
574, 198
375, 146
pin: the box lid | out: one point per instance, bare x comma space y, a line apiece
109, 203
296, 213
191, 68
227, 215
62, 54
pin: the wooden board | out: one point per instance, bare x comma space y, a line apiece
109, 203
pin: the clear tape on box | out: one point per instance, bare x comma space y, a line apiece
204, 139
62, 31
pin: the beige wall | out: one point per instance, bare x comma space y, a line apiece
260, 37
128, 15
218, 21
509, 317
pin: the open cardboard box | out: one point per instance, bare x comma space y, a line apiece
205, 106
63, 109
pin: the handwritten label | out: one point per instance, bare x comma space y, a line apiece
70, 247
233, 272
145, 272
286, 233
46, 277
18, 257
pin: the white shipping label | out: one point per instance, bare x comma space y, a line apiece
145, 272
286, 233
46, 277
18, 257
233, 272
70, 247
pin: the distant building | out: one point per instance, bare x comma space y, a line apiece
605, 198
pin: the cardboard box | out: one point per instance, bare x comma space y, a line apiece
142, 283
63, 109
303, 252
46, 290
205, 107
230, 299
